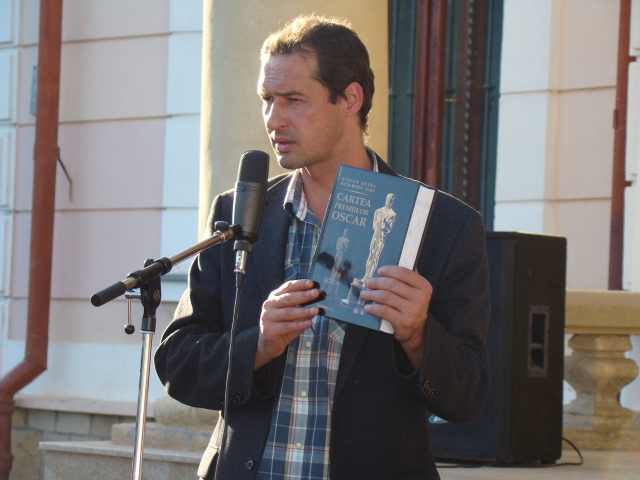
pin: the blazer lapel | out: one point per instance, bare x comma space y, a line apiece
270, 248
383, 167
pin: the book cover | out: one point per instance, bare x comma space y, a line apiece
372, 220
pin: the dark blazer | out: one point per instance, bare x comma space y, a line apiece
379, 425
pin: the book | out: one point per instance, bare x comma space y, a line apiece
372, 219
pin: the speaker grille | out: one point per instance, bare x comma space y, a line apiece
254, 166
522, 420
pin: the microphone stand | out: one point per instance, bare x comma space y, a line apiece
242, 247
148, 280
150, 297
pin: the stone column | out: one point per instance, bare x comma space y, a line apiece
231, 120
597, 369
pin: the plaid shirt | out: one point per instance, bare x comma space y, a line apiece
298, 444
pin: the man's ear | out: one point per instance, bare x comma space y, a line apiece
354, 96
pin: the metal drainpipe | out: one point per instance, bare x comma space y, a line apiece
619, 183
44, 179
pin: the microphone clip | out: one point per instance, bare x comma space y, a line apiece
243, 248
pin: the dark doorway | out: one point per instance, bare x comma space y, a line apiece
444, 73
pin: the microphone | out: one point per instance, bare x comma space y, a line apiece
248, 201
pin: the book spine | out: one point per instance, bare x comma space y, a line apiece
417, 227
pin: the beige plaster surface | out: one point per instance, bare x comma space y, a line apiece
587, 26
588, 242
602, 312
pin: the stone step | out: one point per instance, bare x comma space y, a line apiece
106, 461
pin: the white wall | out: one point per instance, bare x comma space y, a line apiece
525, 102
8, 74
555, 141
631, 279
632, 198
129, 135
182, 138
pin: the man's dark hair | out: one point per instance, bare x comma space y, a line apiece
342, 57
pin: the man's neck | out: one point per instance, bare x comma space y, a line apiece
318, 183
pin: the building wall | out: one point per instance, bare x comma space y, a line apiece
130, 139
631, 277
129, 128
8, 61
555, 142
133, 142
8, 127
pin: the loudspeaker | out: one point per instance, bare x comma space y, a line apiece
521, 423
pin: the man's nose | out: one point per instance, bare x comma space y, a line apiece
275, 117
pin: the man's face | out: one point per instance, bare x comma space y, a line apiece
305, 129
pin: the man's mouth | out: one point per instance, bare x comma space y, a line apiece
282, 145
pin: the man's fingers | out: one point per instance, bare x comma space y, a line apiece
292, 293
400, 296
283, 318
292, 299
385, 290
404, 275
405, 283
285, 328
289, 314
294, 286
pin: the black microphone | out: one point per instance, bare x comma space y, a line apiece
248, 201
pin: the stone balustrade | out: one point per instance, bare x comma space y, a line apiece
601, 323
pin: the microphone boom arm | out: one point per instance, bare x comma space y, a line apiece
164, 265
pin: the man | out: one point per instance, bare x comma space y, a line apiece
337, 401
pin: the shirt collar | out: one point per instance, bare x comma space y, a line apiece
295, 201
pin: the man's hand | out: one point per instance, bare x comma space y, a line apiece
402, 298
282, 320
